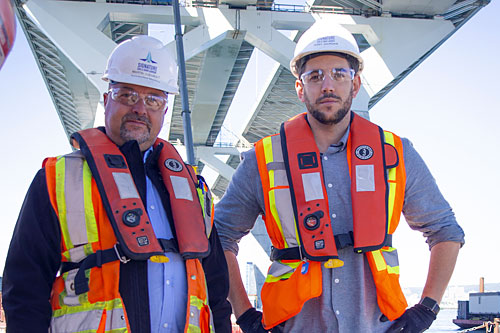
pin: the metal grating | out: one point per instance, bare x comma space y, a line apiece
48, 59
232, 86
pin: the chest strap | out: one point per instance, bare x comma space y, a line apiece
342, 241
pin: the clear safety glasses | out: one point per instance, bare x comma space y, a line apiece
317, 76
129, 97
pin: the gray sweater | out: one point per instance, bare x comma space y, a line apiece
349, 302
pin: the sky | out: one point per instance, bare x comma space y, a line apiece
449, 107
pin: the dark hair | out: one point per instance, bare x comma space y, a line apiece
301, 63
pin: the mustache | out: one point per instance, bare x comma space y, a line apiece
328, 95
136, 117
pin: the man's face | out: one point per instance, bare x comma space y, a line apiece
328, 101
133, 122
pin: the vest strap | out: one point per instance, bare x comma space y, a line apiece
341, 241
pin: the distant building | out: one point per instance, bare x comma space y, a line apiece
2, 316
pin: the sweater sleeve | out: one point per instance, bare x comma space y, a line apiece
217, 278
425, 209
32, 262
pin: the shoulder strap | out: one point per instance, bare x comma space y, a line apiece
119, 195
192, 226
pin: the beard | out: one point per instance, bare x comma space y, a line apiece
141, 135
322, 117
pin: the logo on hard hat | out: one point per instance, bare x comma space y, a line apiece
146, 67
149, 59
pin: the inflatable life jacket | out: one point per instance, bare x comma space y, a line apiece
297, 214
103, 222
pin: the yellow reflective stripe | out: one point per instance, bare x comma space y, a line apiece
90, 221
391, 200
379, 260
194, 329
389, 138
201, 198
268, 154
393, 270
61, 201
197, 302
109, 305
294, 265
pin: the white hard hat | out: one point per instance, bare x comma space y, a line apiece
325, 36
145, 61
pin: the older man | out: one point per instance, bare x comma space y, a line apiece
118, 236
331, 187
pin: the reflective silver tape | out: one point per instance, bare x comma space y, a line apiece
115, 319
86, 321
313, 189
75, 203
285, 212
280, 178
365, 178
76, 254
181, 188
69, 285
391, 257
125, 185
278, 269
275, 166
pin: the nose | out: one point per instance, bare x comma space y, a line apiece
328, 84
139, 107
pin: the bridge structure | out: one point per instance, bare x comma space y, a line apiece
237, 61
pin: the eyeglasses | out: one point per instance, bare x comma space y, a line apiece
317, 76
129, 97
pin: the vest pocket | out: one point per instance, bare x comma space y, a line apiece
284, 298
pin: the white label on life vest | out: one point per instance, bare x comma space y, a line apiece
181, 188
313, 190
125, 185
365, 178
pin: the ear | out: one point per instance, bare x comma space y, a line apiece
299, 88
105, 97
356, 85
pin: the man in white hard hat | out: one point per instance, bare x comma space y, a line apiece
331, 187
118, 235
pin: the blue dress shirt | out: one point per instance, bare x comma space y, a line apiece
166, 281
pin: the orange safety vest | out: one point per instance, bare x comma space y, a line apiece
103, 222
297, 214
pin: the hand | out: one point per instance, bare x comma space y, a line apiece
415, 320
251, 321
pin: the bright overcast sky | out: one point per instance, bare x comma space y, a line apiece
449, 107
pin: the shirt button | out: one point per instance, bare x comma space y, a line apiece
334, 215
337, 312
337, 280
330, 185
152, 206
168, 282
165, 325
325, 158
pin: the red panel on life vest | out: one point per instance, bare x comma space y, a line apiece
187, 214
369, 204
127, 215
7, 29
302, 160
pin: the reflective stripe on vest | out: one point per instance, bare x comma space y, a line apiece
69, 179
278, 219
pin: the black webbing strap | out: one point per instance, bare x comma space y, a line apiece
101, 257
96, 259
341, 242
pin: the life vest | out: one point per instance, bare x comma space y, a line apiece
103, 223
297, 214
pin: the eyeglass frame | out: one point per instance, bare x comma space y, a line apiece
112, 92
331, 73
